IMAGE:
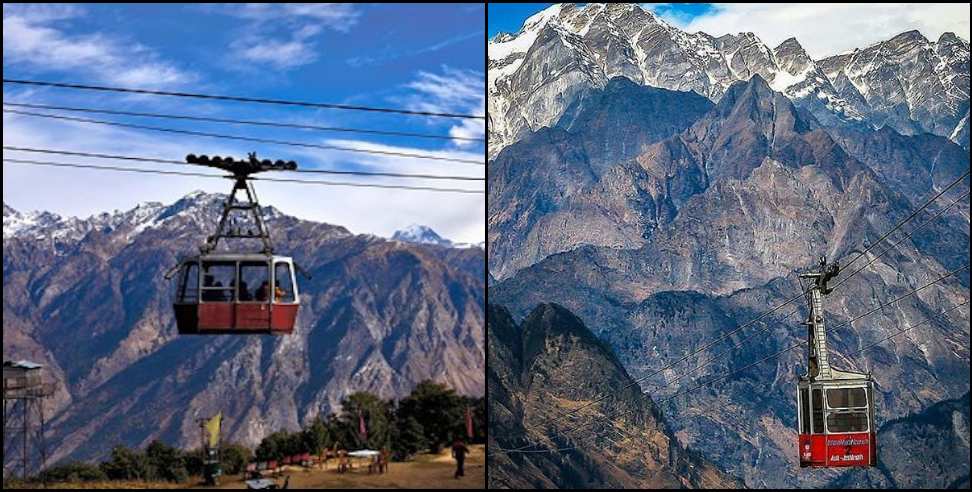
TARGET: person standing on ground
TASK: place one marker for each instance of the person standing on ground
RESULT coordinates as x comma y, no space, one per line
459,452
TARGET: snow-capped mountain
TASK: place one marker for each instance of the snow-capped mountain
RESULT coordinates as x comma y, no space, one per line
420,234
60,233
566,50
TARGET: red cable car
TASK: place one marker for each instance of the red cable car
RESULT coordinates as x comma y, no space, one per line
236,294
221,293
835,409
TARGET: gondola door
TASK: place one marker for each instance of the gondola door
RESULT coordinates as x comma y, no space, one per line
216,311
254,308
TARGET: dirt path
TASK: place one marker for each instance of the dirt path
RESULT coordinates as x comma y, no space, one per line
425,471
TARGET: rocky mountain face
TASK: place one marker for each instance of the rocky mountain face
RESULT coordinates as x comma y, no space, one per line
961,133
551,364
929,449
562,52
87,298
729,210
579,183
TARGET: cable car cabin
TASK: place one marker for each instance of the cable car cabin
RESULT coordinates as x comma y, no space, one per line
836,421
221,294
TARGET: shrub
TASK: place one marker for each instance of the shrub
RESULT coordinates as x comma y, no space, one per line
73,472
234,458
165,463
125,464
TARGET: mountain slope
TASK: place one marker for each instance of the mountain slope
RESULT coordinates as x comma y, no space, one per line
560,187
551,364
376,316
771,191
929,449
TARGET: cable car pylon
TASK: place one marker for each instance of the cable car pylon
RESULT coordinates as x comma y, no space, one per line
835,409
237,292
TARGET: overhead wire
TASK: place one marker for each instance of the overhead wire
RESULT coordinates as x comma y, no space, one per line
245,138
286,102
908,218
834,287
241,122
184,163
279,180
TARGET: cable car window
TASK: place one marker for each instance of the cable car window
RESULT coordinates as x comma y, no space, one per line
219,280
254,276
846,398
847,422
804,411
189,290
284,283
818,419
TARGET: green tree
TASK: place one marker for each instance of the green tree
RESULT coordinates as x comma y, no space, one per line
280,444
234,458
317,436
125,464
165,463
271,447
376,414
438,409
194,461
478,406
408,439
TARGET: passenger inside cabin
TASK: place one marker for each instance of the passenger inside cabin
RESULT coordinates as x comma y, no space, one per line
264,292
245,291
210,294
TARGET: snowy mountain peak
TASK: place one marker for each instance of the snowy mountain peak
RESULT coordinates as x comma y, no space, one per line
420,234
567,50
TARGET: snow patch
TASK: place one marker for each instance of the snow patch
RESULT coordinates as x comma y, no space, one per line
525,38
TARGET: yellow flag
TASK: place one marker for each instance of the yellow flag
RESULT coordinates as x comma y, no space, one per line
212,427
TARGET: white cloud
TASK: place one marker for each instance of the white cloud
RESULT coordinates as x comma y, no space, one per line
279,54
452,91
32,39
338,16
287,31
77,192
827,29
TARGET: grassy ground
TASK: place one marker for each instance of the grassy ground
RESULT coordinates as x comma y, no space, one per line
101,485
425,471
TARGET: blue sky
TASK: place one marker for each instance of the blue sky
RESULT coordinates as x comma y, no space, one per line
822,29
423,57
508,17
